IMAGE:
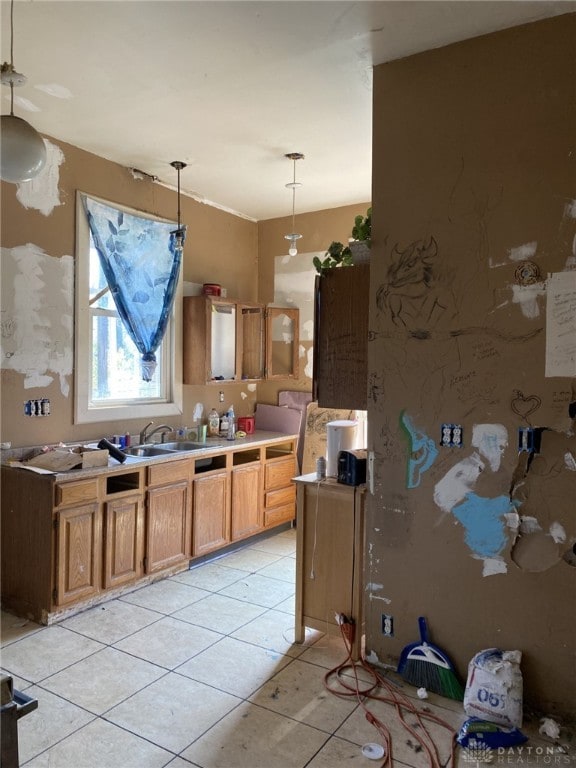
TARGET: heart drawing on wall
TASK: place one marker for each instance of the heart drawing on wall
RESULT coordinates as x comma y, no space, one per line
524,406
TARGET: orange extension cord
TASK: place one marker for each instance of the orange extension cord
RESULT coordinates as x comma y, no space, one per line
382,690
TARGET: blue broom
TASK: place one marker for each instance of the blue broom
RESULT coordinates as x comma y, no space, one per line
427,666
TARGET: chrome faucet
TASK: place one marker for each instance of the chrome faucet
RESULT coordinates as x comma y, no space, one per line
145,435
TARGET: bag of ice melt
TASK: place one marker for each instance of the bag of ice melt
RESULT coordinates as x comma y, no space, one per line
476,733
494,687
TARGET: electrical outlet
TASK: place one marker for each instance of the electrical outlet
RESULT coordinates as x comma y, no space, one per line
387,625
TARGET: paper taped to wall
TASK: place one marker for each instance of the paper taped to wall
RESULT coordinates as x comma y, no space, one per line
561,324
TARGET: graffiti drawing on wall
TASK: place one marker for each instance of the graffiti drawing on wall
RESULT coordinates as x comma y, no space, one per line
413,294
422,453
525,406
485,519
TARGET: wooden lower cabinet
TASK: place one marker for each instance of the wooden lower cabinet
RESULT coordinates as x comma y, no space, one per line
123,541
90,535
246,514
166,527
279,491
78,551
329,556
211,513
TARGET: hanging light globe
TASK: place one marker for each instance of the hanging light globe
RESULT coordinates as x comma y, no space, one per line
22,150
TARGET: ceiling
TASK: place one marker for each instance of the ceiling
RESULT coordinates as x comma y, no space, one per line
230,87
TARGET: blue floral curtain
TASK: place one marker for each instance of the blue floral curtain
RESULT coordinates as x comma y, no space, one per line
141,259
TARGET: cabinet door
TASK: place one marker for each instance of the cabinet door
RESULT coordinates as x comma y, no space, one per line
211,518
123,541
252,341
167,515
341,338
78,550
210,339
282,338
326,523
246,494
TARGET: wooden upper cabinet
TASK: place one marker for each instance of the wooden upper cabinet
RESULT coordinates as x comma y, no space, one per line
210,340
230,340
282,339
341,337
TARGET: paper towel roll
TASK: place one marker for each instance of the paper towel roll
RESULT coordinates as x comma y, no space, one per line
340,436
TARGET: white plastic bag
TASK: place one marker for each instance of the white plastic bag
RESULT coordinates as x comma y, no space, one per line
494,687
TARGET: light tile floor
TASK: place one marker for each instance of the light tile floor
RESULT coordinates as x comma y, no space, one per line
201,670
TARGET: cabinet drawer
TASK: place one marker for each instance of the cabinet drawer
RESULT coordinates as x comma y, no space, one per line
280,496
279,473
170,472
279,515
77,492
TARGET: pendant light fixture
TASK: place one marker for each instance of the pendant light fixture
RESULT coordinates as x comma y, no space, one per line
293,237
22,149
180,233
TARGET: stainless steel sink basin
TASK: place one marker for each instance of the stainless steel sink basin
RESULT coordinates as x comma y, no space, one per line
147,450
165,449
187,445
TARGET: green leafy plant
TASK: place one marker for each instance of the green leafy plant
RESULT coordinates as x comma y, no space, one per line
362,229
337,255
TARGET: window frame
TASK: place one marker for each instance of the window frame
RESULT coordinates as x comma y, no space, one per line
84,412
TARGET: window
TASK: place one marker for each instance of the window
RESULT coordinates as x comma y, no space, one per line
109,384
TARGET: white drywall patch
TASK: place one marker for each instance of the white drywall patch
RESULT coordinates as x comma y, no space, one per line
529,524
309,368
251,387
558,533
42,192
523,252
491,440
294,278
37,315
570,210
494,565
570,461
457,482
527,296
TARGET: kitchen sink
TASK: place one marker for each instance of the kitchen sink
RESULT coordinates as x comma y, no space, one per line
187,445
147,450
165,449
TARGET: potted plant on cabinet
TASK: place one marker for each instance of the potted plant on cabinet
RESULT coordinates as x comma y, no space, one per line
356,252
337,255
361,237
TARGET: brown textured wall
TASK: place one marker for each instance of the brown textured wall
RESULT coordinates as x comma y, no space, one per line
219,248
474,158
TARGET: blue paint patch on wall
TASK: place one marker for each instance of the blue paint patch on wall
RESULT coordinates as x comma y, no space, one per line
423,451
484,522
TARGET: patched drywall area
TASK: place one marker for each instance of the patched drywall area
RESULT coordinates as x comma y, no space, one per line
472,354
37,316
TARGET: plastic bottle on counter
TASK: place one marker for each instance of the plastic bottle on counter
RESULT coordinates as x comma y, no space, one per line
213,423
231,433
224,425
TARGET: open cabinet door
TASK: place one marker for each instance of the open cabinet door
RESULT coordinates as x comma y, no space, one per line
282,341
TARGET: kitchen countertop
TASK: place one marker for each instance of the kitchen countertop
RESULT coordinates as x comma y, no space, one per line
213,446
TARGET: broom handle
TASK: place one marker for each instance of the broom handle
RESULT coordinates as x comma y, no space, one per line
423,629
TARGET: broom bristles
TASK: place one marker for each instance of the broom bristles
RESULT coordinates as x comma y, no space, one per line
425,674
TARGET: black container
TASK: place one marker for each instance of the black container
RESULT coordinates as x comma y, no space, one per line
352,467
